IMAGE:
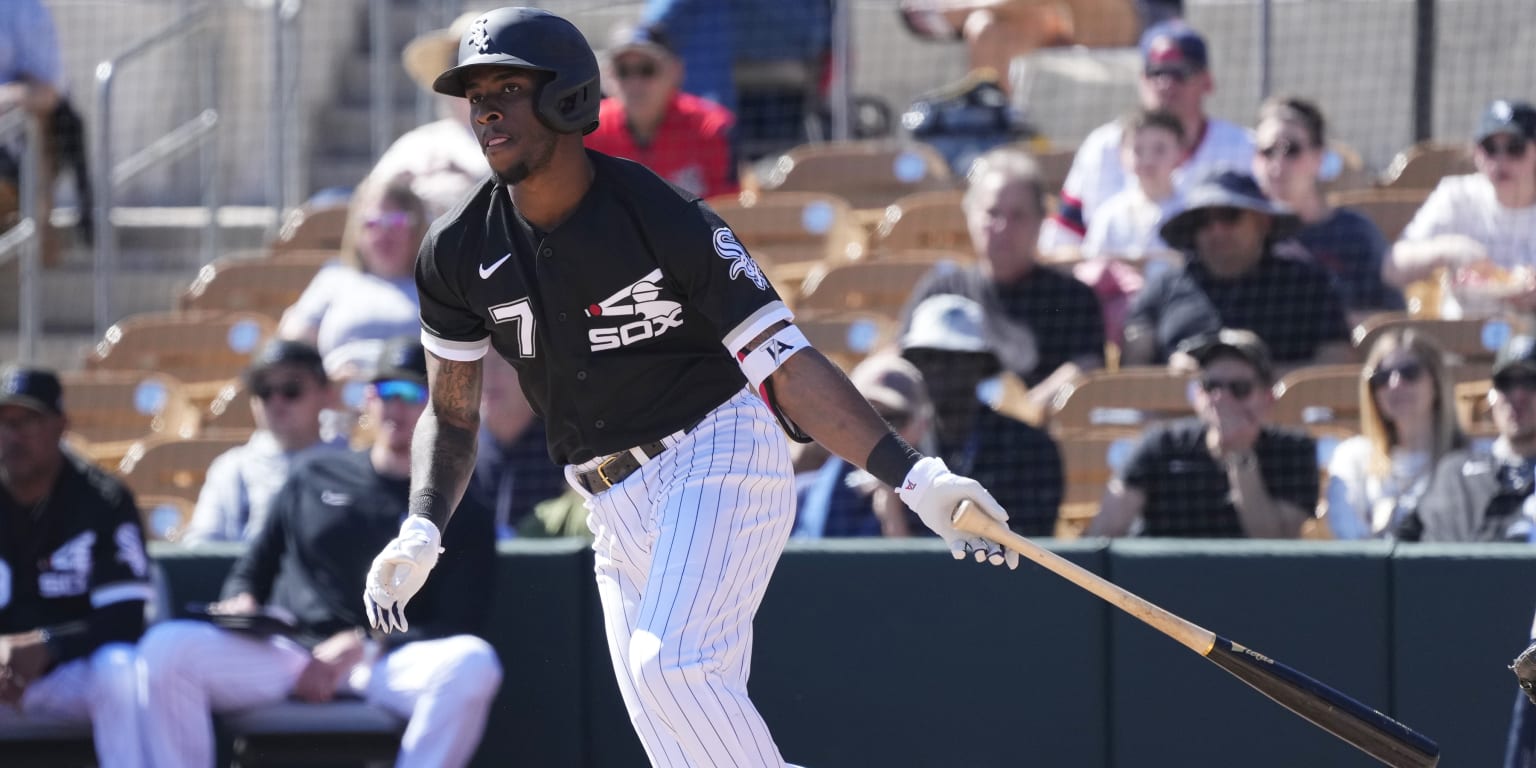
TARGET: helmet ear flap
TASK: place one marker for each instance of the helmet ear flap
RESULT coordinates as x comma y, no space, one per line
569,108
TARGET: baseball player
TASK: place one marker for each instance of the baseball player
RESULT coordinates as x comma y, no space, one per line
74,577
664,365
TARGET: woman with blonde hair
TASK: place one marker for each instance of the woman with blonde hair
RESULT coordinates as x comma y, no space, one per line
1408,421
352,307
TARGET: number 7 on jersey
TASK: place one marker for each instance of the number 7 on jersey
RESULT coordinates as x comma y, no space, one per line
521,313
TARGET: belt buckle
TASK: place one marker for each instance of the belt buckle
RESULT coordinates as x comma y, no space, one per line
603,475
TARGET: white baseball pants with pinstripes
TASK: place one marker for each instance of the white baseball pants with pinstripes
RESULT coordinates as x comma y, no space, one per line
684,550
101,689
442,687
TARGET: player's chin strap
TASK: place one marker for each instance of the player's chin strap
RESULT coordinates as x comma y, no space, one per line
759,364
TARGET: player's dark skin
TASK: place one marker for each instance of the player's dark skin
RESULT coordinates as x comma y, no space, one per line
549,173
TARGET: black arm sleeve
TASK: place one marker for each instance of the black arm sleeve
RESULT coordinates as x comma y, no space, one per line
256,569
457,599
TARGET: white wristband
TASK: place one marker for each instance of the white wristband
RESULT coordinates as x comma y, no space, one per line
761,362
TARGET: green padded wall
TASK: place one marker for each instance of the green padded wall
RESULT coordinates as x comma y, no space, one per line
1319,607
1461,613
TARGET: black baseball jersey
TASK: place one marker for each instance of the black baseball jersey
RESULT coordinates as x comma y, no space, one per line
331,517
622,323
74,563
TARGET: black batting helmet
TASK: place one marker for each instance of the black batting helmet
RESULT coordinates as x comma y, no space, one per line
537,40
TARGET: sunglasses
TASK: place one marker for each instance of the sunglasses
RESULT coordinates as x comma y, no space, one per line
1407,373
644,71
1289,150
288,390
1220,215
1238,388
1512,380
389,220
1178,75
393,390
1514,148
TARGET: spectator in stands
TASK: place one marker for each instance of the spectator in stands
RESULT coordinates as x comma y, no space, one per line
1127,225
1224,473
513,471
351,308
683,138
1234,279
288,389
1481,225
1477,495
998,31
1043,325
31,79
1175,78
442,159
306,567
1408,422
74,577
843,500
1288,164
948,343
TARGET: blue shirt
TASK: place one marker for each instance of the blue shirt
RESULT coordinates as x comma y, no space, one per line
511,479
830,507
28,48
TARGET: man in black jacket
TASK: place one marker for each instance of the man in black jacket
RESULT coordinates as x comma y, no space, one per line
74,577
306,567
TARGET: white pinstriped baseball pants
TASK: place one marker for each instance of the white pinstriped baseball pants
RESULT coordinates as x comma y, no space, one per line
101,689
684,550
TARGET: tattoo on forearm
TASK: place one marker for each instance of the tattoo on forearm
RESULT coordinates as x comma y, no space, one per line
443,449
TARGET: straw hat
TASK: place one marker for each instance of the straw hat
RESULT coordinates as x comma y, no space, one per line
432,53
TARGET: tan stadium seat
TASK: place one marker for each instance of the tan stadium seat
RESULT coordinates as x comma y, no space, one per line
1423,165
1055,163
313,228
1352,172
1473,409
868,174
1088,463
1389,209
1124,401
111,410
261,286
880,287
1466,341
230,411
1320,399
203,349
174,468
924,221
847,338
788,233
165,518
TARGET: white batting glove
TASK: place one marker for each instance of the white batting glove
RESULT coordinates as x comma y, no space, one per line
399,571
933,492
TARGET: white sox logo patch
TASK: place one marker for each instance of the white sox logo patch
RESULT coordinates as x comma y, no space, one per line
731,250
641,298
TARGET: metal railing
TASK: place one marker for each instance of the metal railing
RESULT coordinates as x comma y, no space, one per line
200,132
284,144
24,239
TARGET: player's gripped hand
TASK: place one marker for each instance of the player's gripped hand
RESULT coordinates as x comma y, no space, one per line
399,571
933,492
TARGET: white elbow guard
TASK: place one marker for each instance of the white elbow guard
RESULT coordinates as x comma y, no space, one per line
760,363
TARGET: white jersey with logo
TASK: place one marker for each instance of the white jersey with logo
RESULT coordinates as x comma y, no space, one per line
1467,205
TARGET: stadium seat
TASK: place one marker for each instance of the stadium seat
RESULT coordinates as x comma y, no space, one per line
229,412
313,228
345,731
925,220
790,232
868,174
173,468
1473,409
111,410
1089,461
1120,402
1422,165
1389,209
164,518
1465,341
1319,398
880,287
263,286
1054,162
845,338
1352,172
203,349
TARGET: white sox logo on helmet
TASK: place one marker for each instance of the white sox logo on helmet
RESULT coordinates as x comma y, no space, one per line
479,37
639,298
732,250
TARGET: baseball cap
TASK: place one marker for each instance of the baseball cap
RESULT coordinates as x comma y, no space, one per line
650,39
947,322
890,381
37,389
402,359
1173,44
298,354
1504,116
1232,342
1517,352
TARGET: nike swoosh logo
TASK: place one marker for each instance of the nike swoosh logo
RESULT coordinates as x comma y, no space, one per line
486,272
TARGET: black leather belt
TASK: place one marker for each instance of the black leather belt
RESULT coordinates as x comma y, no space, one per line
614,469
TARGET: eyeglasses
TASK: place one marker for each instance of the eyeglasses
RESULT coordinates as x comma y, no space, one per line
1178,75
1407,373
1220,215
1514,148
644,71
408,392
288,390
1238,388
1512,380
389,220
1289,150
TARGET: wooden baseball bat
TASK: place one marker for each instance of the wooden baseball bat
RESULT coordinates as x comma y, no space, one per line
1370,731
